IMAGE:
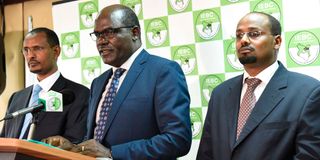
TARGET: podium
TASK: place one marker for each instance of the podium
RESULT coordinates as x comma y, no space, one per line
15,149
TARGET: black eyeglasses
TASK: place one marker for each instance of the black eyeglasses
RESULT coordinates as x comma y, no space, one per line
107,33
253,35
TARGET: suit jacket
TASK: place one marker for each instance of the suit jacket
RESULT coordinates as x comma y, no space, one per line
71,123
149,117
283,125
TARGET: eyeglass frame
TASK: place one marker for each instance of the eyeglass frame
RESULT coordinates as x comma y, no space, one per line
251,35
107,33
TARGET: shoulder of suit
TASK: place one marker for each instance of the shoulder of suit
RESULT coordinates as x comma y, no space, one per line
24,91
302,78
75,85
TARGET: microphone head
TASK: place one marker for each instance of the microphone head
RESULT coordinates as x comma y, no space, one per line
52,101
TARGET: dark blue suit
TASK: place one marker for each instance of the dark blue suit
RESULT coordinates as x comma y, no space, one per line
284,124
149,118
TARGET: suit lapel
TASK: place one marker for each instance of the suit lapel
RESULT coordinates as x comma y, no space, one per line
126,86
271,96
18,121
232,108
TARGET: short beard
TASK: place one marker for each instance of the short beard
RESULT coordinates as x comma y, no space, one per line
248,59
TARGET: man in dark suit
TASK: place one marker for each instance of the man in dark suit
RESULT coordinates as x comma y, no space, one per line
149,116
41,50
283,123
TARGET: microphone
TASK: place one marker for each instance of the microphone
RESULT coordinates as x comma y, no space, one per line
50,101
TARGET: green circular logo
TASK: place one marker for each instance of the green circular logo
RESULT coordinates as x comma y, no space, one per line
135,5
185,56
269,6
207,24
70,45
179,5
209,83
91,69
304,47
54,104
157,32
196,122
88,14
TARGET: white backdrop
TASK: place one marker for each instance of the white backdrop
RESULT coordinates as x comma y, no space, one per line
198,34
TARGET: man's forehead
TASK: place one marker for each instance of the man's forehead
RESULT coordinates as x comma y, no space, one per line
253,21
35,39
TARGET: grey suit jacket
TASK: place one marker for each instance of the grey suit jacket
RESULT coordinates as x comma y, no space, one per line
284,124
71,123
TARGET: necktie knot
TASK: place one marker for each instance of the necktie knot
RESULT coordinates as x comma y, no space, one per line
252,82
35,94
119,72
36,89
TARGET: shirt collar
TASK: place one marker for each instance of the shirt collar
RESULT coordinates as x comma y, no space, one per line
264,75
48,82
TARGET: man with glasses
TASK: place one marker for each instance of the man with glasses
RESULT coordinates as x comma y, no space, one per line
41,50
138,109
266,113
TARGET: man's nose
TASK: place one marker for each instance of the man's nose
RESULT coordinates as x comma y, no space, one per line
29,53
245,40
102,40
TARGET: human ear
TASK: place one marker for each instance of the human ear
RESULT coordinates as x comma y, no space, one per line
277,41
135,33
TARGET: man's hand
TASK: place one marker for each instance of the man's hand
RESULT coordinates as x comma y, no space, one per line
93,148
60,142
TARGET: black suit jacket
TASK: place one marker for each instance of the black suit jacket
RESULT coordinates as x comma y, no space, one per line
71,123
283,125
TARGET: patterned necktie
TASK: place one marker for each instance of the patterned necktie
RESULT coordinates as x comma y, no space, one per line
247,104
107,103
33,101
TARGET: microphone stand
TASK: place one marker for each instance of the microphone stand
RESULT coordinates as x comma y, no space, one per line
33,124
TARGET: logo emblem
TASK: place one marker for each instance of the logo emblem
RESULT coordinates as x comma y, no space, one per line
90,69
231,55
207,24
135,5
52,100
70,45
196,122
88,13
268,6
186,58
157,32
304,47
208,83
179,5
54,104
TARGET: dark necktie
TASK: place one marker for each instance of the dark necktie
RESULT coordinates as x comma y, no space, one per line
247,104
107,103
